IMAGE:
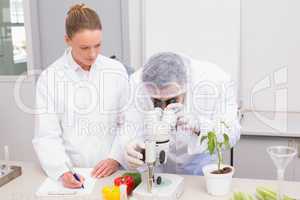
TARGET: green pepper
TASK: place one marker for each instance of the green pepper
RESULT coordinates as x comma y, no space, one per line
136,176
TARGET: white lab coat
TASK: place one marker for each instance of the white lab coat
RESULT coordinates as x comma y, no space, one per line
210,96
78,113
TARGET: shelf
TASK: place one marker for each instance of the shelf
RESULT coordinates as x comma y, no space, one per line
268,123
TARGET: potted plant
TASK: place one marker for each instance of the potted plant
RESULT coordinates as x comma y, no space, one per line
218,176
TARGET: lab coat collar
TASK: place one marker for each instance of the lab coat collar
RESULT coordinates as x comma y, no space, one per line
70,60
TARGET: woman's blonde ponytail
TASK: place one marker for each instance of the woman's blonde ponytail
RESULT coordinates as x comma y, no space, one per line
80,17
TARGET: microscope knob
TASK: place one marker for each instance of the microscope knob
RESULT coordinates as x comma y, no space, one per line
162,157
158,180
143,152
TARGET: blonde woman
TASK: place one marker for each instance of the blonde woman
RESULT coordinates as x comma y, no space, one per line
78,99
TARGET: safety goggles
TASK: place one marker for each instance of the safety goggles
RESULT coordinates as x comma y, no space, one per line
164,103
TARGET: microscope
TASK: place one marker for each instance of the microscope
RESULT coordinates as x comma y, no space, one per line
158,127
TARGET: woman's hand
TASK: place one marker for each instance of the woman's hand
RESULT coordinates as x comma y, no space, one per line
69,181
105,168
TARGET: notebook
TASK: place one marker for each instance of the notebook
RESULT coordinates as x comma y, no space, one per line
55,188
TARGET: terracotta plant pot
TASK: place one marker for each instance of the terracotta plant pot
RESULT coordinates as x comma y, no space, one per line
217,184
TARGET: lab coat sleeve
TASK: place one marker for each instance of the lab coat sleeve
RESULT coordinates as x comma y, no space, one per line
127,132
116,152
132,126
225,110
47,141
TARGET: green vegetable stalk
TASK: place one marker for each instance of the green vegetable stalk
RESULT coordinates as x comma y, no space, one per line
241,196
263,193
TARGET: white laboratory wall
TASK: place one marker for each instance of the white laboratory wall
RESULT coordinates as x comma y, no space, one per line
203,29
135,20
252,40
270,41
16,127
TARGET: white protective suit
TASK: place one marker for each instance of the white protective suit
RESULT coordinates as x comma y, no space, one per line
210,97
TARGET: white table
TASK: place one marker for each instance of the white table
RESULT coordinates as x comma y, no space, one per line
25,186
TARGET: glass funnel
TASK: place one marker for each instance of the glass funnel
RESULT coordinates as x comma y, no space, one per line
281,157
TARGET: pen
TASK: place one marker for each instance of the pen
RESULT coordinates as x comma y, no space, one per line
74,174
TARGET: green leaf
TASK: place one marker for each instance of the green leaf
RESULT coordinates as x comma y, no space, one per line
211,146
203,138
211,142
222,122
211,135
226,140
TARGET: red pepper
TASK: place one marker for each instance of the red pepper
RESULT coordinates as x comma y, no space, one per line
127,180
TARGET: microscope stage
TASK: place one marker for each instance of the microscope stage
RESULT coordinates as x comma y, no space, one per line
171,188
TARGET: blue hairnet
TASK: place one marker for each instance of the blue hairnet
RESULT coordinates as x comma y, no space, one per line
164,68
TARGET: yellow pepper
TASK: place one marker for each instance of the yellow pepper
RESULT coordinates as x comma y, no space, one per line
111,193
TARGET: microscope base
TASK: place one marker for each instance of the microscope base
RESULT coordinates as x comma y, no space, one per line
171,188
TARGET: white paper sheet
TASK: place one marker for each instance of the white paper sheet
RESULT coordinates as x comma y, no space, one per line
55,188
